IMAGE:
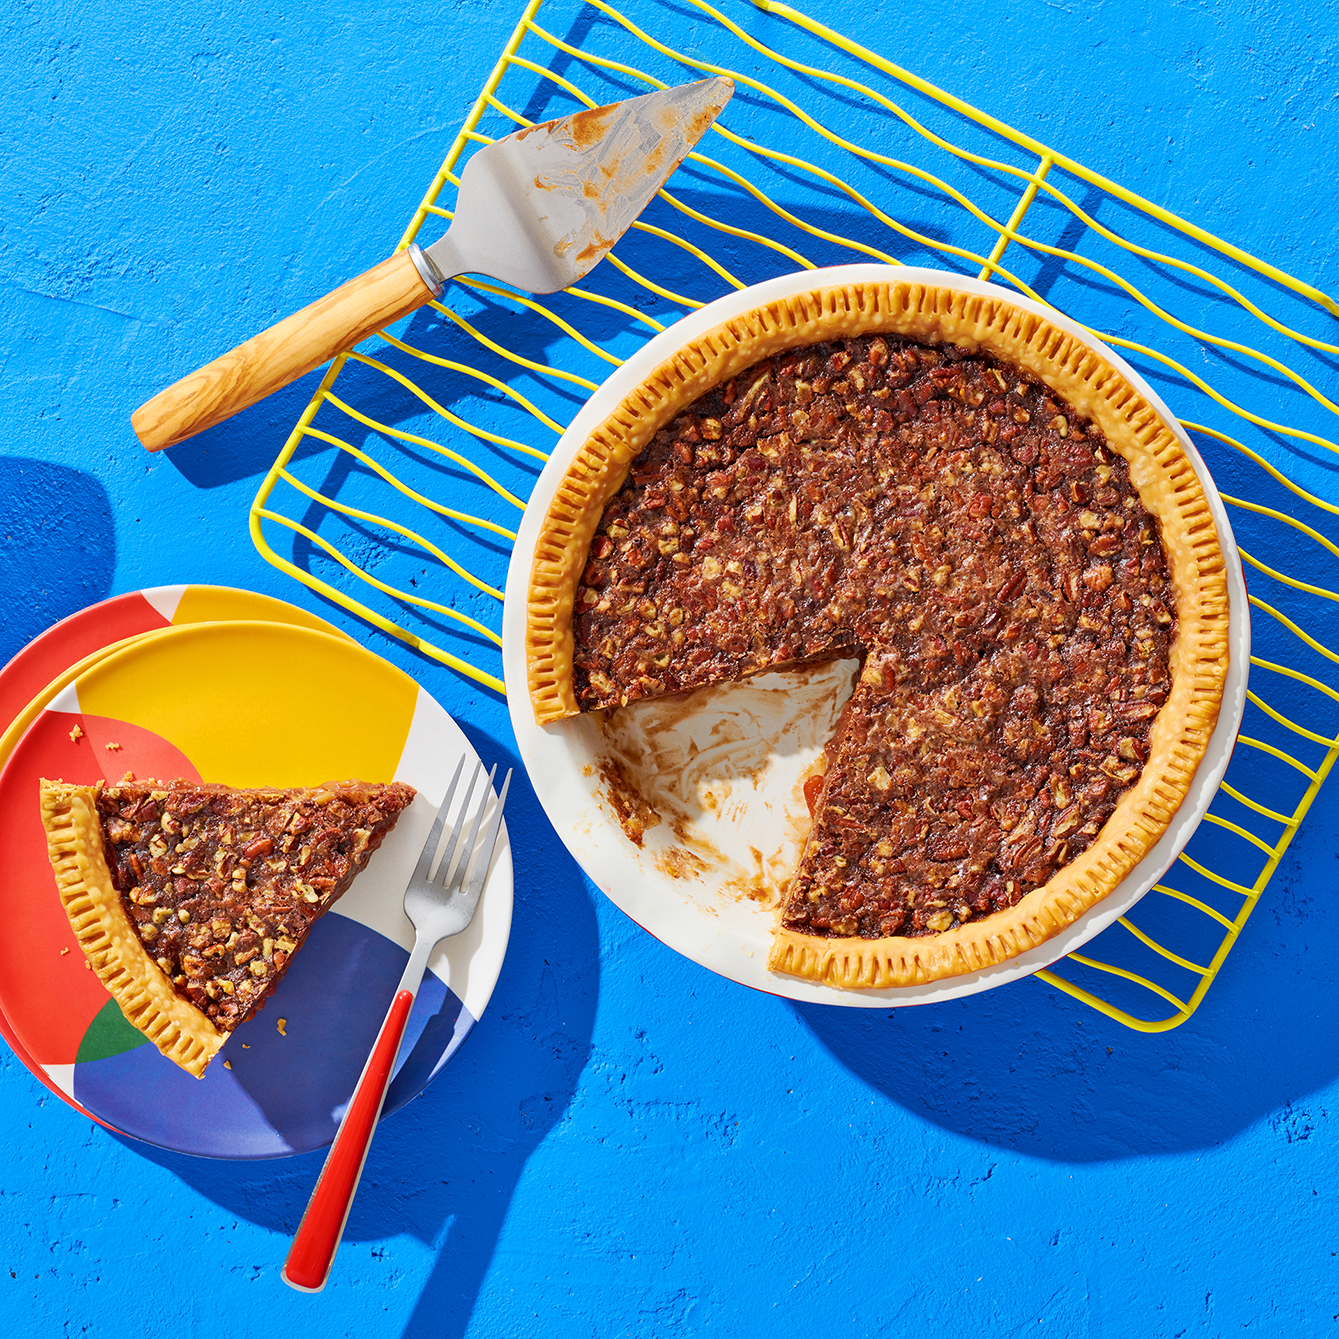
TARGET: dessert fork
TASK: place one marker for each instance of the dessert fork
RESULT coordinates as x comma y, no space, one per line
438,908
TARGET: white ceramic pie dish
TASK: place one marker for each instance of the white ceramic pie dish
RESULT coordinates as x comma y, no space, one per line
739,751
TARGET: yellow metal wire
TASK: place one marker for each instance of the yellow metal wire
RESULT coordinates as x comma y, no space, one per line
1251,826
1105,184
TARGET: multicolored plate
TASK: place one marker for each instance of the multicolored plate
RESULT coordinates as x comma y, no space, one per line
67,648
100,625
248,703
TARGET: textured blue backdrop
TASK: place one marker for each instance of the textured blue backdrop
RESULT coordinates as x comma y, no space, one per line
627,1144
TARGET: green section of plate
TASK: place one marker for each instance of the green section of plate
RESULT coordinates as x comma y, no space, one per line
108,1034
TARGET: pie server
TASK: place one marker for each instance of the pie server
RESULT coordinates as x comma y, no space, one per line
537,210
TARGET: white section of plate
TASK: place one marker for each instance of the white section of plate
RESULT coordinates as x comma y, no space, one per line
67,700
708,919
63,1077
164,599
468,963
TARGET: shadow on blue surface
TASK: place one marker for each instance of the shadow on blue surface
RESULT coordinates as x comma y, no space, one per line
443,1170
247,444
1027,1068
57,546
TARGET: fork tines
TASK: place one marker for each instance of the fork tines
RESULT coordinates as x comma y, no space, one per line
444,867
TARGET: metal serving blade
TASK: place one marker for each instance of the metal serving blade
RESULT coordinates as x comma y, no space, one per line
537,210
540,208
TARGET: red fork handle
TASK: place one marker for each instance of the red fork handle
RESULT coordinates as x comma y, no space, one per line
318,1235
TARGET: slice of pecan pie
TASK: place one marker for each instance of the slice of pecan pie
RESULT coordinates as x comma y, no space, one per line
190,899
993,519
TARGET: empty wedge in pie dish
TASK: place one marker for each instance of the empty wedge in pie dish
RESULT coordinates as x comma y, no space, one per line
988,511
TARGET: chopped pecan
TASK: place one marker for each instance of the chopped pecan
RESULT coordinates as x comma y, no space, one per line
965,531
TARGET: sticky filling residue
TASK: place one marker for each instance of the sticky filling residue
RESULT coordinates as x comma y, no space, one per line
710,785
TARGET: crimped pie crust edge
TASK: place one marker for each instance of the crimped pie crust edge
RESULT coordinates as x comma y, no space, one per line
1159,469
104,932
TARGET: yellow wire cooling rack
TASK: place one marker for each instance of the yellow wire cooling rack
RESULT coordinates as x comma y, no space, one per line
397,491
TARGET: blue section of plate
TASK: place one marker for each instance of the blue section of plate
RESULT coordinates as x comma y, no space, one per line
284,1092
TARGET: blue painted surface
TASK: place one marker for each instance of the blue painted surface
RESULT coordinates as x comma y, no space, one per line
627,1144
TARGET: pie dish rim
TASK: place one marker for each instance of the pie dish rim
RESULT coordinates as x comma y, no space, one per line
1101,911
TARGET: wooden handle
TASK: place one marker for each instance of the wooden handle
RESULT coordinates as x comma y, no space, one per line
281,354
322,1226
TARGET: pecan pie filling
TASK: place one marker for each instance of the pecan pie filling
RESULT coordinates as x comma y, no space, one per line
222,885
953,522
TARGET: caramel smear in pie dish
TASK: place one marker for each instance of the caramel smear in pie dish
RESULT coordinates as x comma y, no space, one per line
190,899
710,783
983,512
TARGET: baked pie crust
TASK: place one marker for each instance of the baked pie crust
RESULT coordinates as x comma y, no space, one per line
1159,470
79,844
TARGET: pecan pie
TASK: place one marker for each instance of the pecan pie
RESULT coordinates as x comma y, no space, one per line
189,900
993,519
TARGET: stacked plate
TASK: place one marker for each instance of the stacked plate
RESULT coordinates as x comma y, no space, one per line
213,684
